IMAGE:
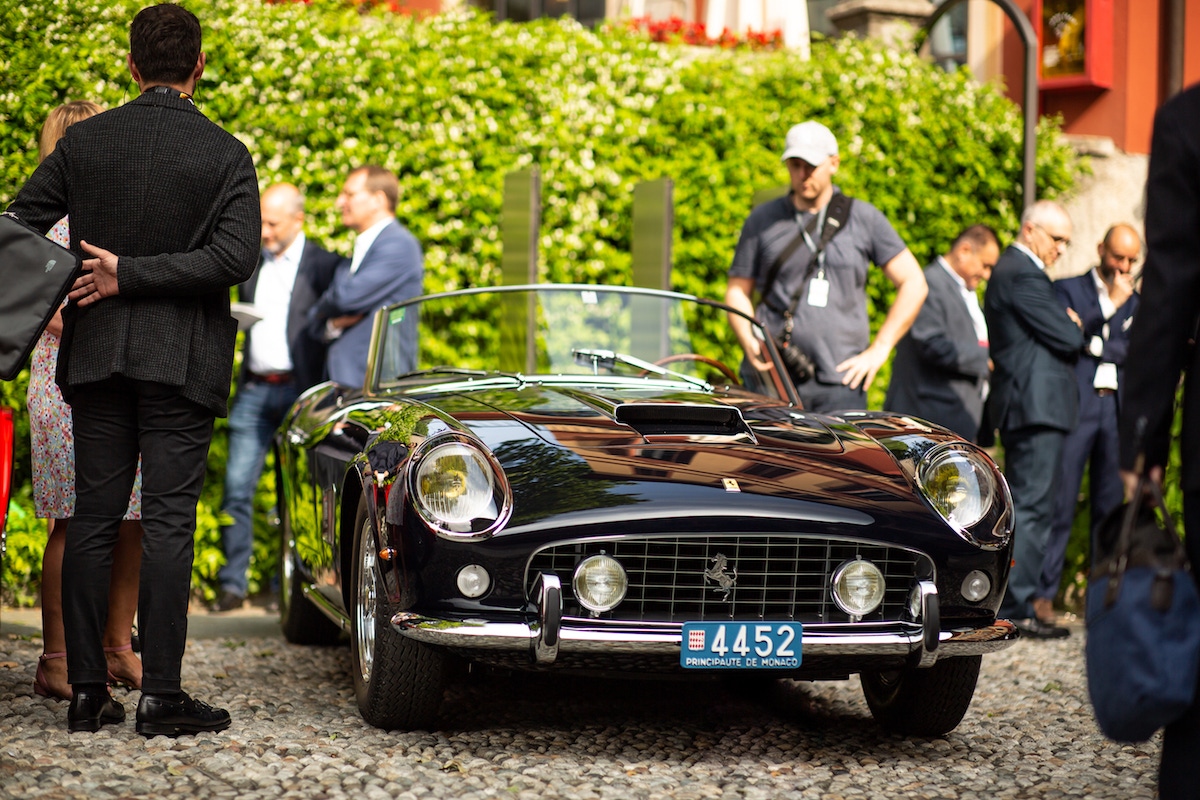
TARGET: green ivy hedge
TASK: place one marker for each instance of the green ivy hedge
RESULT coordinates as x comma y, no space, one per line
453,103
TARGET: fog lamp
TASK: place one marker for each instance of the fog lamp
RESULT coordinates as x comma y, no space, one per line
976,586
474,581
599,583
914,603
858,587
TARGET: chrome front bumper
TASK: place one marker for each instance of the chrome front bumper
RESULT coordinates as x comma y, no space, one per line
550,634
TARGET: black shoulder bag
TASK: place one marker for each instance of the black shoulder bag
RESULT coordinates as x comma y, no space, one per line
37,275
800,365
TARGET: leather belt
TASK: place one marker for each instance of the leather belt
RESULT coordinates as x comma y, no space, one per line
274,378
1105,392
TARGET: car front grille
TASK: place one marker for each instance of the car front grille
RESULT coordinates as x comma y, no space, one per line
679,579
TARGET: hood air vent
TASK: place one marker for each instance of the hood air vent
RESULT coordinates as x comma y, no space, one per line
658,421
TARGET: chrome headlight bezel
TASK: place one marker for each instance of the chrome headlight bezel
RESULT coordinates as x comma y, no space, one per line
453,462
967,490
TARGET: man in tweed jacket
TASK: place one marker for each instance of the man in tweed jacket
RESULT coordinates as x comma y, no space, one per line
163,205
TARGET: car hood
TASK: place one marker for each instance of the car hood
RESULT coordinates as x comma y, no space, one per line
704,453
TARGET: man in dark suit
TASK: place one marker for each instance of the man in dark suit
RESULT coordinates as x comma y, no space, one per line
164,205
387,267
1161,347
1105,301
280,359
1033,400
941,368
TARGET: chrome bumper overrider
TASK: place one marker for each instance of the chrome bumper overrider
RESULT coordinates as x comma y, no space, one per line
550,635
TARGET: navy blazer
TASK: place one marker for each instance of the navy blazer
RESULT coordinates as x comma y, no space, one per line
940,364
313,276
176,198
1033,345
1080,293
392,270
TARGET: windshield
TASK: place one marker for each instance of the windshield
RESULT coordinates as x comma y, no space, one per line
601,334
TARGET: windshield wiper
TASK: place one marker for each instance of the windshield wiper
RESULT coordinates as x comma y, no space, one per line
608,359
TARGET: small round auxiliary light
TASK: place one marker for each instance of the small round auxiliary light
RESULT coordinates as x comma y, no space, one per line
858,587
474,581
914,603
599,583
976,586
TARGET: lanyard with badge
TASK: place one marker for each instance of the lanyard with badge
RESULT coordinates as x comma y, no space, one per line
818,285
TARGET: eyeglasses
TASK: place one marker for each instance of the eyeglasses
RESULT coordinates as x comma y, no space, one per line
1065,241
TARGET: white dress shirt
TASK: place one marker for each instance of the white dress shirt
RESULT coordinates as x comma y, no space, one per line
971,301
1106,373
269,352
363,242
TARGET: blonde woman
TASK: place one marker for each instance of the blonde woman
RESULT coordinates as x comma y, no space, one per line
53,462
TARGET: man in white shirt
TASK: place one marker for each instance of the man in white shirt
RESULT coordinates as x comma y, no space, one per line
387,267
280,359
941,368
1105,301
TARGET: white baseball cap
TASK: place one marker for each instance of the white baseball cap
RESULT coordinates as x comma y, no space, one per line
810,141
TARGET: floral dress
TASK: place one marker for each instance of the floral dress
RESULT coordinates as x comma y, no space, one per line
52,443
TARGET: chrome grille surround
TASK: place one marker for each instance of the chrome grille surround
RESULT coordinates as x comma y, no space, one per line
775,577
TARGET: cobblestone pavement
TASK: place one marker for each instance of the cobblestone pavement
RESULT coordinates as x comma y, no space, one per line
297,733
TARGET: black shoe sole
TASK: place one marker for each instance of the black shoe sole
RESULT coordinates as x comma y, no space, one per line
90,725
165,729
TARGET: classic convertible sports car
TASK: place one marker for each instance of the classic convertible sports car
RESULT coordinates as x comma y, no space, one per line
596,488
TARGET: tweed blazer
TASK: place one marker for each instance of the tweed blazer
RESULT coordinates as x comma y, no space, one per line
940,364
176,198
313,276
1033,344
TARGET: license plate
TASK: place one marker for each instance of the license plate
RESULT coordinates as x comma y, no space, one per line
740,645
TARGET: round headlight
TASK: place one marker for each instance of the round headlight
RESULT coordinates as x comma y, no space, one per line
858,587
473,581
599,583
976,586
959,484
454,484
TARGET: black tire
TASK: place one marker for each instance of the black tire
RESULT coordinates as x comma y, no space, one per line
301,621
398,683
923,702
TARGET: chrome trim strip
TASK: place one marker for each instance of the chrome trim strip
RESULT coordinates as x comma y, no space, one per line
326,607
582,638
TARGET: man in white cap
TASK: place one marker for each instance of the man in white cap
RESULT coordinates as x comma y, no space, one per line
806,254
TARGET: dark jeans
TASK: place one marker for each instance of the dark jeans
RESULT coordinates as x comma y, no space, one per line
258,410
1094,446
114,420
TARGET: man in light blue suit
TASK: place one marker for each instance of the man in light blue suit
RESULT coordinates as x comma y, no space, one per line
387,267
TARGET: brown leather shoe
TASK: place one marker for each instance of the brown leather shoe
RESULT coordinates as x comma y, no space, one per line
1043,609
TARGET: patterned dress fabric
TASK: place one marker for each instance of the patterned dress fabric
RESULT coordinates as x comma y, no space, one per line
52,444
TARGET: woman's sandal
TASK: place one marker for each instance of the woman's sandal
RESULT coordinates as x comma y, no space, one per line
41,687
122,680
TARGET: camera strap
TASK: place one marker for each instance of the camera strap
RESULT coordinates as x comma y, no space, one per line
836,213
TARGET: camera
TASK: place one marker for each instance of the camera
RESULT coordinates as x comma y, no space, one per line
800,366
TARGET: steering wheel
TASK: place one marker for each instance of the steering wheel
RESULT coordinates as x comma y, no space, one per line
712,362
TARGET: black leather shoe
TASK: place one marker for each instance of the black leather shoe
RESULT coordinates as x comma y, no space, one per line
228,601
91,709
159,715
1034,628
